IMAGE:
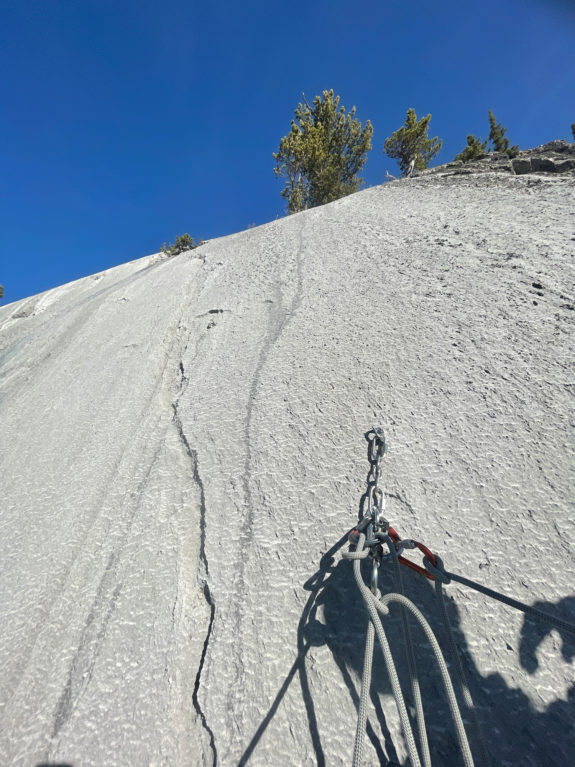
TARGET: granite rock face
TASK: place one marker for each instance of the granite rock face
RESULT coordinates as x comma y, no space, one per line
182,452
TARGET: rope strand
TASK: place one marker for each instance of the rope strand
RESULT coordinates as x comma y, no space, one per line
377,606
485,760
411,664
439,573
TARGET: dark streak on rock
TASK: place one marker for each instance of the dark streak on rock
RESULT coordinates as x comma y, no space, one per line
195,697
193,455
279,317
214,311
403,501
84,660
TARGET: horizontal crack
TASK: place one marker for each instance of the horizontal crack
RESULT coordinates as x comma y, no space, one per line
214,311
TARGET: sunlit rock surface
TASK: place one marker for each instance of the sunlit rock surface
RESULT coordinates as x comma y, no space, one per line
183,452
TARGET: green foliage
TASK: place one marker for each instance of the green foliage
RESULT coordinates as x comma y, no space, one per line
183,242
475,148
322,154
573,130
497,137
1,292
410,144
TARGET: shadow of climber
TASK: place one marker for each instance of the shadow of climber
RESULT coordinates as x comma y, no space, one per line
515,732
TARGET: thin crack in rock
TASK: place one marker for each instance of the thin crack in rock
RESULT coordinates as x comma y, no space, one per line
193,455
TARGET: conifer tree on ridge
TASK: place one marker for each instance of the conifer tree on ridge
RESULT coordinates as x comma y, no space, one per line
410,146
322,154
475,148
498,139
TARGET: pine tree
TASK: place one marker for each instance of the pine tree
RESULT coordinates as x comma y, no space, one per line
1,292
475,148
410,145
497,137
322,154
573,130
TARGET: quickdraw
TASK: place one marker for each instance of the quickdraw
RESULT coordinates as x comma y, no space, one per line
401,544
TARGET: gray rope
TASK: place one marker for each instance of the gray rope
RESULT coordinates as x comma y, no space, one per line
374,606
452,700
461,677
364,697
411,664
377,605
443,576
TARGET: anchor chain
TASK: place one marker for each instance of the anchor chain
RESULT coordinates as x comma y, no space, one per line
374,522
375,494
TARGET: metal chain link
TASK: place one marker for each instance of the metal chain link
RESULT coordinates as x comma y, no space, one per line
375,519
375,494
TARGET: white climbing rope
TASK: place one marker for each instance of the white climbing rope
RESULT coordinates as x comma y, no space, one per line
377,605
374,606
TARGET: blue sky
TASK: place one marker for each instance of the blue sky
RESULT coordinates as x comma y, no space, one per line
127,122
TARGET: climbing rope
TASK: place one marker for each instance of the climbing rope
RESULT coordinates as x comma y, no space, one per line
378,604
434,567
411,663
368,539
484,758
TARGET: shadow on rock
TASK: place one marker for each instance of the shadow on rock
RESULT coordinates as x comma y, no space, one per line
533,633
514,731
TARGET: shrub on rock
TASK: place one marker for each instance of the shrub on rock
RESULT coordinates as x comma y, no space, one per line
183,242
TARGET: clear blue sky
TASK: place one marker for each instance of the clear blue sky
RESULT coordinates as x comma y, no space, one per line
127,122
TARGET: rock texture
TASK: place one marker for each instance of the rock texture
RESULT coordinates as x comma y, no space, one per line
554,157
183,453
